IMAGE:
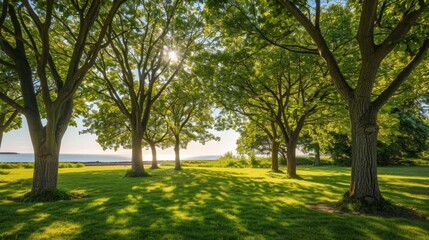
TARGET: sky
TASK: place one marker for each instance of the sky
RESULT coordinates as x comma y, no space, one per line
73,142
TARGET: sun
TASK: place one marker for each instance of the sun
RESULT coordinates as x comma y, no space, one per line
172,56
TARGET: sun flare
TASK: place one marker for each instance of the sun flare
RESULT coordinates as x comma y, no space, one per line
172,55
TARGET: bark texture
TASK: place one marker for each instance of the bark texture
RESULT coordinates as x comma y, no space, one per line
291,158
177,165
154,157
275,156
137,166
45,175
317,155
364,180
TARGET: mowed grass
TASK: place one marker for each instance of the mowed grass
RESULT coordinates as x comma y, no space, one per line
208,203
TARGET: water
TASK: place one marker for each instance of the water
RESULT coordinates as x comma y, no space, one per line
29,157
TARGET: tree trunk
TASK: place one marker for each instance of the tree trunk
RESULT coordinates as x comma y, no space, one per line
317,155
291,158
364,182
154,159
1,138
177,153
46,142
275,155
2,127
45,176
137,166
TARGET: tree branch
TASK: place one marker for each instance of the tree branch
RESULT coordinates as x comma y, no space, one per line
365,34
11,102
400,31
338,78
401,77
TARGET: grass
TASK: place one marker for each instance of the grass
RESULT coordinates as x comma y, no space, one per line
208,203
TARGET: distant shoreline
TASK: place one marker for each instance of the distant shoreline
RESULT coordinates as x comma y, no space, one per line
9,153
97,159
98,163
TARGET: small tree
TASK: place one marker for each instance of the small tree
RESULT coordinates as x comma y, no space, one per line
188,114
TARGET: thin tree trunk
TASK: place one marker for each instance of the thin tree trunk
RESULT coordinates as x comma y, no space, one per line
291,158
2,127
177,153
275,155
1,138
137,166
364,182
317,155
154,158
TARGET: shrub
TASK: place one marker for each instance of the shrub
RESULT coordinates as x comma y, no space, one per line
16,165
28,165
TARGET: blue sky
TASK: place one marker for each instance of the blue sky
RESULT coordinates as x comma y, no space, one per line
73,142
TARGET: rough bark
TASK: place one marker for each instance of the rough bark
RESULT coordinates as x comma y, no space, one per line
46,145
177,153
364,181
291,158
275,156
317,155
137,166
45,175
154,158
2,128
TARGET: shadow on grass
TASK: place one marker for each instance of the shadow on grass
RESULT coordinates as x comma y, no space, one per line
194,204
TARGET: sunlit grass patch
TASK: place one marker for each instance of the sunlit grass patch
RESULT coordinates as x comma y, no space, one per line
208,203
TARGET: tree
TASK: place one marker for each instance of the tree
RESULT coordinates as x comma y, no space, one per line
188,114
278,90
378,29
50,46
262,139
283,83
157,133
149,43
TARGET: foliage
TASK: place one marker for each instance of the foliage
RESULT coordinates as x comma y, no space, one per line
340,149
16,165
229,160
150,43
31,165
410,141
71,165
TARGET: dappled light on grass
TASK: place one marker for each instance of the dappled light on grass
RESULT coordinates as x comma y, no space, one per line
201,203
57,230
38,217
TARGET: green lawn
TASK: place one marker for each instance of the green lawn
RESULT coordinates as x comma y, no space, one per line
208,203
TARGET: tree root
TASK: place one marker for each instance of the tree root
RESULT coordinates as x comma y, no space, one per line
133,174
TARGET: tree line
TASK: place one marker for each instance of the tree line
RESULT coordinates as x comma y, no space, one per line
152,72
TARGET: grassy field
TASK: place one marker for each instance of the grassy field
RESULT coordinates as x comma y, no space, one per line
208,203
